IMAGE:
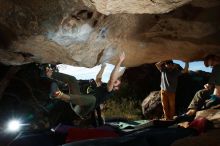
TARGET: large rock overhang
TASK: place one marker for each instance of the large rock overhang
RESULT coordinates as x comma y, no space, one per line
88,33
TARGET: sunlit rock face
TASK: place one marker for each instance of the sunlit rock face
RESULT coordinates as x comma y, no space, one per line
87,33
137,7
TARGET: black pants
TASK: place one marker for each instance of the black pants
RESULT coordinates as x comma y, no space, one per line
204,99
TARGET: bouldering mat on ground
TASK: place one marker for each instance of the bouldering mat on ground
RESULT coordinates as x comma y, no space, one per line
146,137
135,125
76,134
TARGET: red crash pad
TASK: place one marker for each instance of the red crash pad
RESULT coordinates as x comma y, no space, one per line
76,134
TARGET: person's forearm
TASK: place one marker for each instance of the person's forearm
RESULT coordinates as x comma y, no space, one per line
99,75
98,79
114,76
115,72
186,68
159,64
121,72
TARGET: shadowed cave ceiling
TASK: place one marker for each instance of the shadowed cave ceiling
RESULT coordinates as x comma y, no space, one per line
90,32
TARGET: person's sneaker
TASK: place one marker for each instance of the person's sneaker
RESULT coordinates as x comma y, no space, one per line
184,118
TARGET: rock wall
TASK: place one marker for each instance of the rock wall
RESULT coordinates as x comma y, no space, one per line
133,6
78,32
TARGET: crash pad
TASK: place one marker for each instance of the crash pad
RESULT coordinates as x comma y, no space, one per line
77,134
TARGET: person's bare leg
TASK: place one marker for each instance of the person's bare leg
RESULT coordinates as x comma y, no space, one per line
172,105
165,104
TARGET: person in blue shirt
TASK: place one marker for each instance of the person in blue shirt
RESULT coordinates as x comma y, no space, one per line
169,79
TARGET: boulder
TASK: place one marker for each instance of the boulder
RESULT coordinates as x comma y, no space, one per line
212,115
151,106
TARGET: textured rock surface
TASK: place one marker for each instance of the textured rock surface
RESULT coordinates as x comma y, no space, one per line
133,6
212,115
74,32
151,106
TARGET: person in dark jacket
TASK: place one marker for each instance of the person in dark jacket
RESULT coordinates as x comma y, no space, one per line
85,103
